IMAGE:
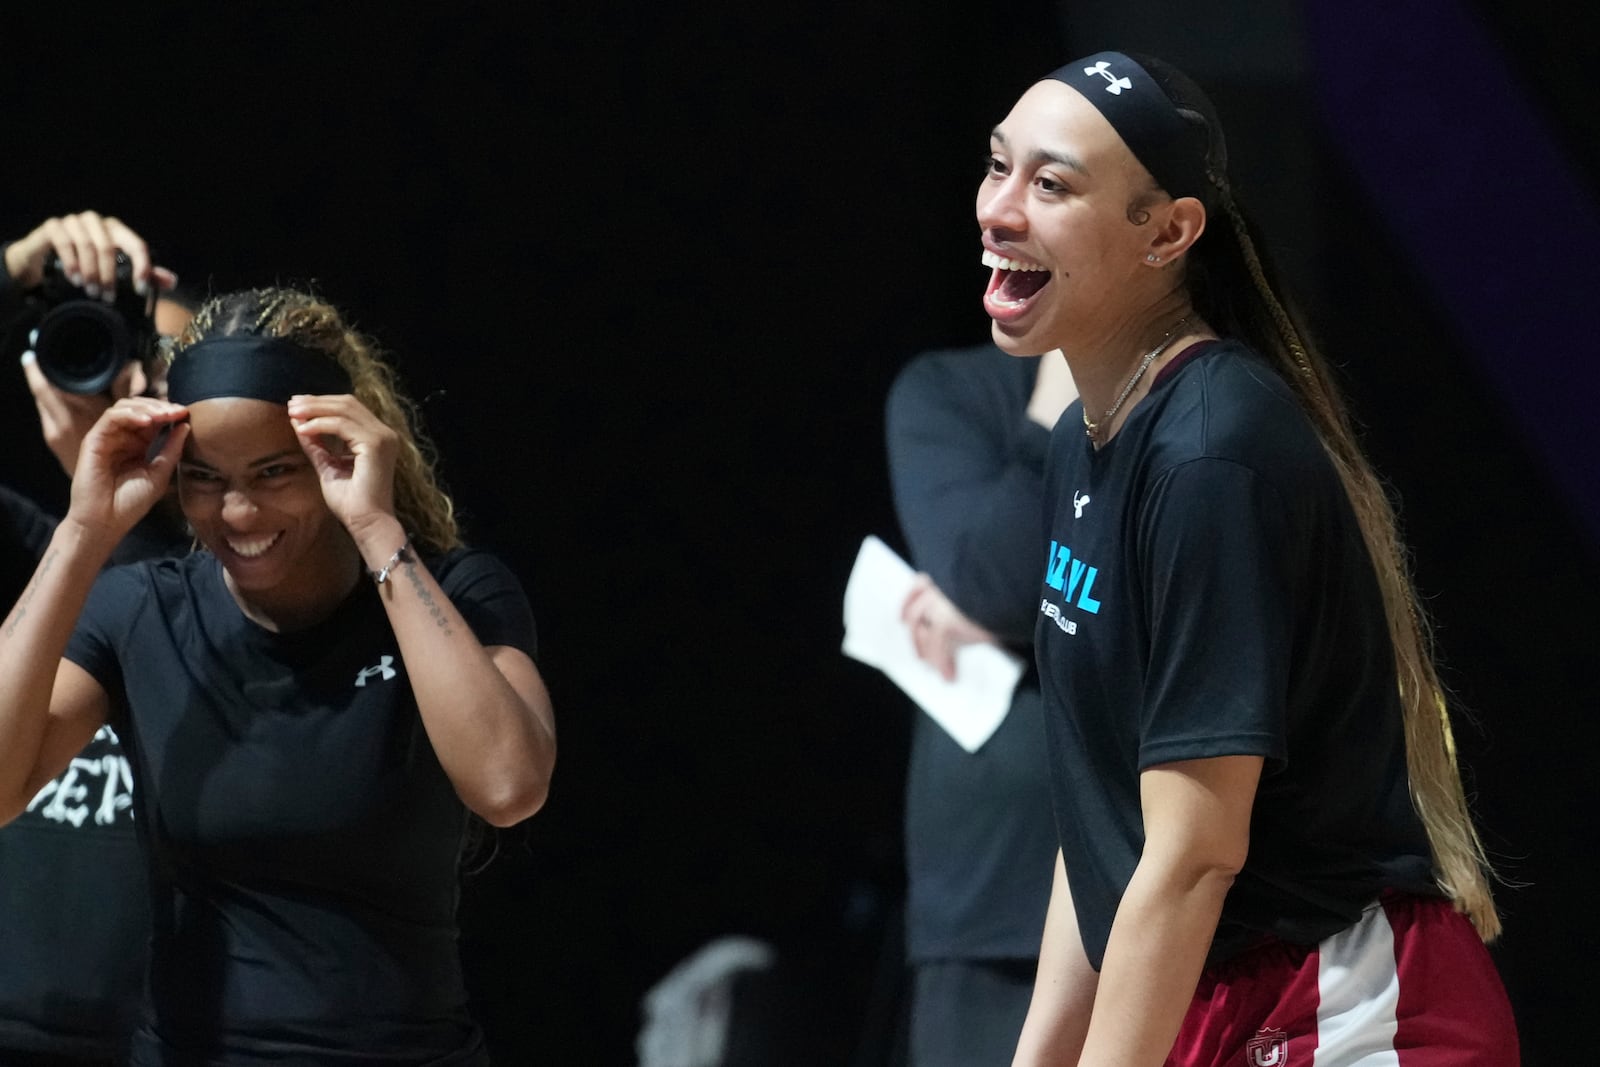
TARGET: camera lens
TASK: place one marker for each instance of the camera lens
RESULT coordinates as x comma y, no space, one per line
82,345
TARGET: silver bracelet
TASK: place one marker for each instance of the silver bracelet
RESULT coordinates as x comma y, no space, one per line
401,555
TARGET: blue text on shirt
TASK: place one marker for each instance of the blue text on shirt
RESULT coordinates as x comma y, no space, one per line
1071,576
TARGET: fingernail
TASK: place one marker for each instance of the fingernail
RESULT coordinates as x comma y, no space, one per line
28,356
141,286
75,278
92,289
109,295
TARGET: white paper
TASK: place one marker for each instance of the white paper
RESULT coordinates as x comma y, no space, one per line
970,708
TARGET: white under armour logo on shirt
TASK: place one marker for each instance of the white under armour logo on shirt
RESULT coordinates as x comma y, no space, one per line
384,669
1079,502
1114,86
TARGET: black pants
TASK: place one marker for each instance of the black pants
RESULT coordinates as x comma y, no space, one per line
968,1013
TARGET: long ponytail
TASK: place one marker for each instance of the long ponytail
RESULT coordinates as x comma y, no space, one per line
1236,292
1463,869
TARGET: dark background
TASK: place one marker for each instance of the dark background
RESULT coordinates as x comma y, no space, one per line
654,266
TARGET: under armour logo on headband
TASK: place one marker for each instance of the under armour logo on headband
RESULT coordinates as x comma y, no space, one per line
1114,86
1175,150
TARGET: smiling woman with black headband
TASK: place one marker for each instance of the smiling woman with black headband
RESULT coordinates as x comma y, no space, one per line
312,705
1265,850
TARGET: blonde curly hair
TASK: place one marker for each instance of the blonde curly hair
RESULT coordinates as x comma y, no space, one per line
421,504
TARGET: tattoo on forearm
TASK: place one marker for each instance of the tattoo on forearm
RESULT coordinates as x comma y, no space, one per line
427,599
28,594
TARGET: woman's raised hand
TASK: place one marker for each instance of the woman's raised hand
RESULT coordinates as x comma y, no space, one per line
354,454
125,464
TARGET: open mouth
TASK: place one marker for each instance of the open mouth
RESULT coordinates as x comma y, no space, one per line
1013,286
252,547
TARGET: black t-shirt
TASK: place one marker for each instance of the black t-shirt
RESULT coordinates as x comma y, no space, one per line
74,914
74,917
1207,592
303,839
967,467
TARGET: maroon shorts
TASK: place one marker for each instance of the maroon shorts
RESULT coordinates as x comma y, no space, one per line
1410,985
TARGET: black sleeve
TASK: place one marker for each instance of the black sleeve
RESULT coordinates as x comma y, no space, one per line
113,599
966,465
490,598
30,524
1215,556
25,530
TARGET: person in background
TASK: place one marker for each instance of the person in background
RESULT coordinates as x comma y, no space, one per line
967,434
74,914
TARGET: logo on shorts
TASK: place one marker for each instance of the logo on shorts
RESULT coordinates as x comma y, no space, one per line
1269,1048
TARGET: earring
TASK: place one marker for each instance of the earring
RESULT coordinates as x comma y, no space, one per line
1152,258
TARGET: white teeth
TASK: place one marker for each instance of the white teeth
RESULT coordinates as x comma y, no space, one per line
991,259
253,548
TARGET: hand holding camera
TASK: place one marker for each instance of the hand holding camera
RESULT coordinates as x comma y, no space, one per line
87,245
87,322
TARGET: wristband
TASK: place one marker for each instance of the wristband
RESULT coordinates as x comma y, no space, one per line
401,555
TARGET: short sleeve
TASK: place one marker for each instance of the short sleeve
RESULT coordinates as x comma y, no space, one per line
1215,551
98,634
491,599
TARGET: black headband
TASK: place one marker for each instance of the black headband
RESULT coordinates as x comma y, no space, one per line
1172,149
260,368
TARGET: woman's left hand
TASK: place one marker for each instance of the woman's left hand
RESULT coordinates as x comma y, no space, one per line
353,452
938,628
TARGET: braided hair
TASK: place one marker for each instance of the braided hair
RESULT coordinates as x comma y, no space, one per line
421,505
1234,286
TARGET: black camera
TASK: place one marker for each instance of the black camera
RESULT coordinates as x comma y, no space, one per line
82,343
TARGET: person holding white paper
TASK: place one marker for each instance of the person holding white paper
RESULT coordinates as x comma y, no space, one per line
967,434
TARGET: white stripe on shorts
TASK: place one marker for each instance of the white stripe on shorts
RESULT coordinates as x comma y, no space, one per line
1359,989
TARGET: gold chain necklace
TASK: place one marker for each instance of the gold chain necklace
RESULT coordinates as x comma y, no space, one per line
1092,429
